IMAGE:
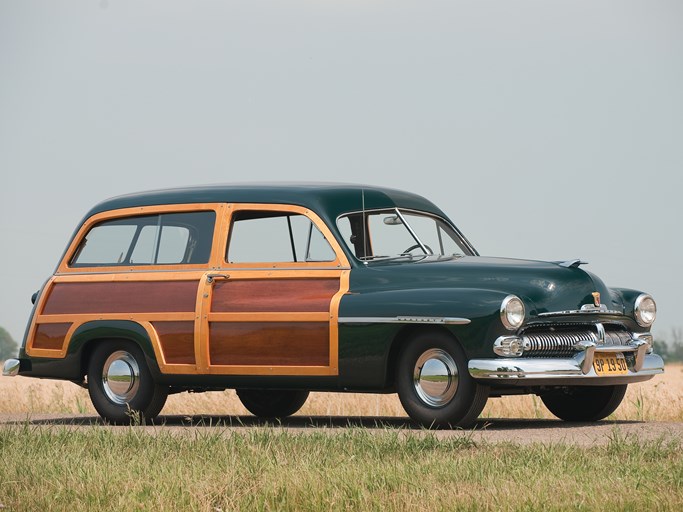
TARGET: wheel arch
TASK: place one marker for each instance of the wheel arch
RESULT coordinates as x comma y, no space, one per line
89,335
402,338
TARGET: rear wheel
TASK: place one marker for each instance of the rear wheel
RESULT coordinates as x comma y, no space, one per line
272,403
434,385
121,385
584,403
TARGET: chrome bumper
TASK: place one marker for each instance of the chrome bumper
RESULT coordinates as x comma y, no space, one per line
11,368
579,367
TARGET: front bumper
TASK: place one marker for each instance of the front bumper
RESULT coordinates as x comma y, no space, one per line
576,370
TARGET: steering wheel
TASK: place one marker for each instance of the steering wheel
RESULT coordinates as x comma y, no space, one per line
417,246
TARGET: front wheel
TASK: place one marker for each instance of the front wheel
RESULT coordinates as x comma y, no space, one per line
434,385
584,403
121,385
272,403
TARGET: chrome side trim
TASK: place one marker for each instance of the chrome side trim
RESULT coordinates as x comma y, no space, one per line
124,270
438,320
11,368
530,370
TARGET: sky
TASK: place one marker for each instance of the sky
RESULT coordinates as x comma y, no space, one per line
546,130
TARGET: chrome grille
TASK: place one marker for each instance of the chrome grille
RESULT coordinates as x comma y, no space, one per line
562,342
617,337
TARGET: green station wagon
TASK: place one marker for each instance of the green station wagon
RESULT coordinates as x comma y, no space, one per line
278,290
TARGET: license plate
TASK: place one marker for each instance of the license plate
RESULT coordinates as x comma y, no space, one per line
608,363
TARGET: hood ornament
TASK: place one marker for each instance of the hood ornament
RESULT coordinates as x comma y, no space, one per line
596,299
571,263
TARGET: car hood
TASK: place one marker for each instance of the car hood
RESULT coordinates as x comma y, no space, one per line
544,286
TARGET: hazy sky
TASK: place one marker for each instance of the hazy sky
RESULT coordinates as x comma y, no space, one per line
545,129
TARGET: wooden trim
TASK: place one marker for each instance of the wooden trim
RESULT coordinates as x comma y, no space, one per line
174,369
176,340
51,336
340,261
123,297
274,295
137,276
331,316
315,316
259,344
201,324
218,208
135,317
334,317
34,322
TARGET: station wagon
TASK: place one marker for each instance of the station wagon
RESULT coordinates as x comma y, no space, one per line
279,290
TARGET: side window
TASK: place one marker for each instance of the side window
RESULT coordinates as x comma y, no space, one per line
276,237
166,239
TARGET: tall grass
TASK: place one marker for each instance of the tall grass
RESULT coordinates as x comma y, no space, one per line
54,468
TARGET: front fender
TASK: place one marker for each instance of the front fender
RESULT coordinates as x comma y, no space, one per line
374,326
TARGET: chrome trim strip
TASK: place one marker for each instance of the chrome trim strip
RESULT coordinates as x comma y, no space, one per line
11,368
555,368
205,269
437,320
591,311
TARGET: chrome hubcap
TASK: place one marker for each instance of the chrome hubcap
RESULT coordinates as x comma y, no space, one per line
120,377
435,377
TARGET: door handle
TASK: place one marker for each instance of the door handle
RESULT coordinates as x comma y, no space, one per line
212,277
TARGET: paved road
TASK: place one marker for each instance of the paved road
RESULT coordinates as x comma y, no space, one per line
486,431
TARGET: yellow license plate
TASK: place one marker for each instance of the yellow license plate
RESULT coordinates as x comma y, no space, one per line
608,363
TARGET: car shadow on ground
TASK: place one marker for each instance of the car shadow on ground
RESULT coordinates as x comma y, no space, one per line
312,422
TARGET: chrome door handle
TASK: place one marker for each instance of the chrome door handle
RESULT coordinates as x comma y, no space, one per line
212,277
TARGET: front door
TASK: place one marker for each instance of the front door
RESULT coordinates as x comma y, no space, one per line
272,307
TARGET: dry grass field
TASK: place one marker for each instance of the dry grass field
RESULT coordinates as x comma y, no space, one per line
660,399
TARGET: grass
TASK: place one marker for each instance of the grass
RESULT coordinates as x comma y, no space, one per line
218,469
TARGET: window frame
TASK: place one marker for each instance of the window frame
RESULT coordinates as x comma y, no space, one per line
216,245
340,260
471,251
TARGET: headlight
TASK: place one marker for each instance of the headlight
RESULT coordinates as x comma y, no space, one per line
645,310
512,312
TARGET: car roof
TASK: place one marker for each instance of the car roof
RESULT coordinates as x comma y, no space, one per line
328,200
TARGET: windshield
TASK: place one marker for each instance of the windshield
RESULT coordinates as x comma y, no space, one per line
400,234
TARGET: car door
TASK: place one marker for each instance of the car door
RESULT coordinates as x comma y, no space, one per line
272,307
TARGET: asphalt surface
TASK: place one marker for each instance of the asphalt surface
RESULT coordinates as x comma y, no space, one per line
486,431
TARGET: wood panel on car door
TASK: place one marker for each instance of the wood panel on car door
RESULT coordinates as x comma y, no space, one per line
274,322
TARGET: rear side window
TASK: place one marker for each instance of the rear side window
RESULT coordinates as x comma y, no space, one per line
165,239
